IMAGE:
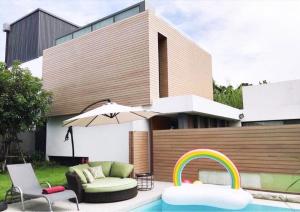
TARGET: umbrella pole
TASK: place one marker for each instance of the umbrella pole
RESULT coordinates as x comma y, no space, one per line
70,131
72,142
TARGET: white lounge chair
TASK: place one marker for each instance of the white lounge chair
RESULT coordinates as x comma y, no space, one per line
26,184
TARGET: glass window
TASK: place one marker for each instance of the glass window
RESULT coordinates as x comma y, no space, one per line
127,13
63,39
103,23
81,32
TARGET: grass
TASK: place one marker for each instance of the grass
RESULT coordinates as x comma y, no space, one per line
55,175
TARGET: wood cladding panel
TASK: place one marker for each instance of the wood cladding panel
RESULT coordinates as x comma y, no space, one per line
273,149
139,151
120,62
112,62
189,66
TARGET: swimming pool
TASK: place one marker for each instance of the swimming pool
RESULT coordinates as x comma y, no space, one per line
159,205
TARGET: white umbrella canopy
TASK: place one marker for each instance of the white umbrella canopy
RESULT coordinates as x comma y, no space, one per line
109,113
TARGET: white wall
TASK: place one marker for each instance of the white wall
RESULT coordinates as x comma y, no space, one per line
274,101
111,142
106,142
35,66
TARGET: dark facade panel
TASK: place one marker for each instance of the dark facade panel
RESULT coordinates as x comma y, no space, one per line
22,41
30,35
51,28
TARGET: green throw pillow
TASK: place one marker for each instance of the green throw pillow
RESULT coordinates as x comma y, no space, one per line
78,170
80,175
121,170
97,172
106,166
88,175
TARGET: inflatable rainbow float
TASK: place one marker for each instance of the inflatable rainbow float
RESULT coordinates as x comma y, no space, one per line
206,194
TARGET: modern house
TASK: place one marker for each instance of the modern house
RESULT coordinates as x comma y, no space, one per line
132,57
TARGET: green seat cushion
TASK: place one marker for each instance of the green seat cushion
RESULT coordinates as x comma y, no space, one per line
106,166
109,184
78,170
122,170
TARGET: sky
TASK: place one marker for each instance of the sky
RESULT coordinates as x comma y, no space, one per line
249,40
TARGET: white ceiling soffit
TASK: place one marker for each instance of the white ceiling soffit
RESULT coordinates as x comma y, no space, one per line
194,104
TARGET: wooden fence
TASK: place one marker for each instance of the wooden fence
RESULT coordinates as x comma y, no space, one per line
268,149
139,151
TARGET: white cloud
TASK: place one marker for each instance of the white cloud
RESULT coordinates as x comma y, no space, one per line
249,40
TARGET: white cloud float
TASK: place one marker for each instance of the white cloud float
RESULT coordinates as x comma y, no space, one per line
206,194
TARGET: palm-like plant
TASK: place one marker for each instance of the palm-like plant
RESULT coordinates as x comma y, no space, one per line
229,95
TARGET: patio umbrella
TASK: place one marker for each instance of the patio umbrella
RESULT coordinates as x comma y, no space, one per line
109,113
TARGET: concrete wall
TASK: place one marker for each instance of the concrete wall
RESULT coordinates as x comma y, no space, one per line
274,101
107,142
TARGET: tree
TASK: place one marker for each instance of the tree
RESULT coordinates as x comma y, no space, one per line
229,95
23,102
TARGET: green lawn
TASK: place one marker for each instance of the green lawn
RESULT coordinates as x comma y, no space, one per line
55,175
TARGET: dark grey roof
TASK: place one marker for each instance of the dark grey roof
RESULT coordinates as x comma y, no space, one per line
44,11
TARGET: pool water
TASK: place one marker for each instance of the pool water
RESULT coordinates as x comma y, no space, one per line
159,205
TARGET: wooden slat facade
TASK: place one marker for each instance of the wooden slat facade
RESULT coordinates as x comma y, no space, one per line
189,66
139,151
111,62
261,149
121,62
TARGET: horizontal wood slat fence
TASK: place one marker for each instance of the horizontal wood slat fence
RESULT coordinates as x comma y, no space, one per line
139,151
268,149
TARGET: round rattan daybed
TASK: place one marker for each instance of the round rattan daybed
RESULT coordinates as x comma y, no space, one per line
104,190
